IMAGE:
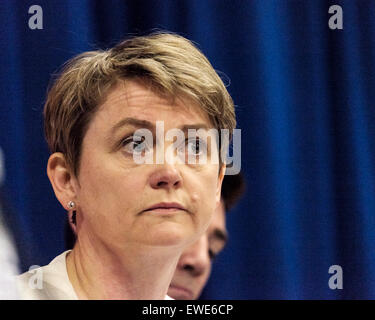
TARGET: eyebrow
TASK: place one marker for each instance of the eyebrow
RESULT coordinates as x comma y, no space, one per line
132,122
198,126
149,125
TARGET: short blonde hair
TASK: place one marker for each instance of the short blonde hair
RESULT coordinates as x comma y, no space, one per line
169,62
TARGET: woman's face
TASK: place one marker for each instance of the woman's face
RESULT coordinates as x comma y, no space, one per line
120,202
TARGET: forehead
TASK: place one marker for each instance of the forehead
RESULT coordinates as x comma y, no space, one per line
137,99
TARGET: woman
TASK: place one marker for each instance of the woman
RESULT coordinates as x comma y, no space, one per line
132,219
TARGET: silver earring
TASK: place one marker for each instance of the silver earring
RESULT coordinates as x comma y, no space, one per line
71,205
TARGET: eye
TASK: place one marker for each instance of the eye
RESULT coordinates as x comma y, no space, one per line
135,144
196,146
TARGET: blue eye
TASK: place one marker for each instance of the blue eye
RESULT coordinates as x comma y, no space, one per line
131,146
196,146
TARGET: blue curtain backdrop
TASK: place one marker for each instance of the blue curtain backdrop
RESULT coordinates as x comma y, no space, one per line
305,103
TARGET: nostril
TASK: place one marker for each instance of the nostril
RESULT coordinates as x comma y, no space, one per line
165,180
165,177
161,183
188,267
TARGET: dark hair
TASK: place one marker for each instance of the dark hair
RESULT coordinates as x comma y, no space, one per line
232,189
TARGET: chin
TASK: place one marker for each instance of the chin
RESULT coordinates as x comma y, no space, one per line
172,234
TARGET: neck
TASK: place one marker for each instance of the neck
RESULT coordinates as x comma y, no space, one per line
141,273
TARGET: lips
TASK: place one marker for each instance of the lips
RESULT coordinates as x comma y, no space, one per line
180,293
166,207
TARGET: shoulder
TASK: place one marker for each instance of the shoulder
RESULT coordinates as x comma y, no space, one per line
49,282
31,285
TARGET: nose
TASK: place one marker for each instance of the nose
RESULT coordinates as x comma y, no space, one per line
165,177
195,260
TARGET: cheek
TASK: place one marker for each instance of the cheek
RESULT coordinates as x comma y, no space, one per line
107,188
203,192
201,283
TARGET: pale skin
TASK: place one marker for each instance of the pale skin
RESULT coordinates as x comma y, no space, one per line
123,250
194,266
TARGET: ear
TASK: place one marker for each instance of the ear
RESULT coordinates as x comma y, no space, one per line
219,183
63,182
